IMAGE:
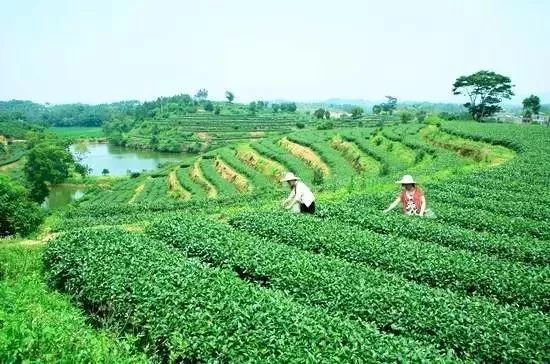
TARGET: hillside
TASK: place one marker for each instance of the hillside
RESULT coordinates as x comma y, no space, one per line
196,262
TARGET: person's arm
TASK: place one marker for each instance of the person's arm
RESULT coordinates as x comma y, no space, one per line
289,200
423,207
393,204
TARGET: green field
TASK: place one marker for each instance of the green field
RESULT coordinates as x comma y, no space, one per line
196,262
77,132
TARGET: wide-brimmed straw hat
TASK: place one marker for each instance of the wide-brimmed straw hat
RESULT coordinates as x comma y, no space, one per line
406,180
289,176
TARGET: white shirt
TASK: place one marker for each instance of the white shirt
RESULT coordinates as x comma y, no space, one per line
301,194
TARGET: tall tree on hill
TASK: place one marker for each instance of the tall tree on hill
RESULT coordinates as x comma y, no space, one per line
390,105
531,106
485,89
229,96
202,94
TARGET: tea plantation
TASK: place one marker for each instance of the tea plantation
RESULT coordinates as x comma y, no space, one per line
196,262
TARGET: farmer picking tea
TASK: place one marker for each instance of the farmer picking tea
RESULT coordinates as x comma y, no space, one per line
411,198
301,198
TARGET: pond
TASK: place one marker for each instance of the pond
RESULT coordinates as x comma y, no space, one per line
61,195
116,160
119,160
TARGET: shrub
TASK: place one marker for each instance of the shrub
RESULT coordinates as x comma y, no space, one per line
367,294
318,177
326,125
185,311
19,215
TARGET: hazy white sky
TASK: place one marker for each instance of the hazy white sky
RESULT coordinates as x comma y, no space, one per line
98,51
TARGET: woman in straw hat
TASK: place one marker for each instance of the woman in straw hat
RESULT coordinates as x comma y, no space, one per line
411,198
301,198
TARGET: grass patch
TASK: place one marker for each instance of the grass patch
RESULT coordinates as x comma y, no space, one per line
78,132
38,325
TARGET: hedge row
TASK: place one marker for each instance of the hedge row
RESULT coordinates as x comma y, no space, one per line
434,265
513,205
470,328
476,218
360,211
187,312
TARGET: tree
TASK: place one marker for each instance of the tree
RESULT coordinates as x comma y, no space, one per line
19,214
406,116
288,106
209,106
356,112
154,137
275,107
531,106
319,113
252,107
217,110
327,114
47,162
421,116
377,109
390,105
229,96
202,94
105,171
485,89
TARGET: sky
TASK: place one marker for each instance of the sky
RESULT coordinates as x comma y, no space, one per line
62,51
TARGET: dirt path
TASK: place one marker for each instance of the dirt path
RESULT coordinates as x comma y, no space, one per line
137,192
360,162
480,152
176,188
43,239
197,176
305,153
10,166
267,167
229,174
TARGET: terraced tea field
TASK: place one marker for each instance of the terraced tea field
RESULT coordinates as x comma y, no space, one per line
204,131
196,262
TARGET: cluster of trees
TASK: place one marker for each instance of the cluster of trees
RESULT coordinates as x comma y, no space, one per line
256,106
48,161
321,113
62,115
408,116
387,107
284,107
